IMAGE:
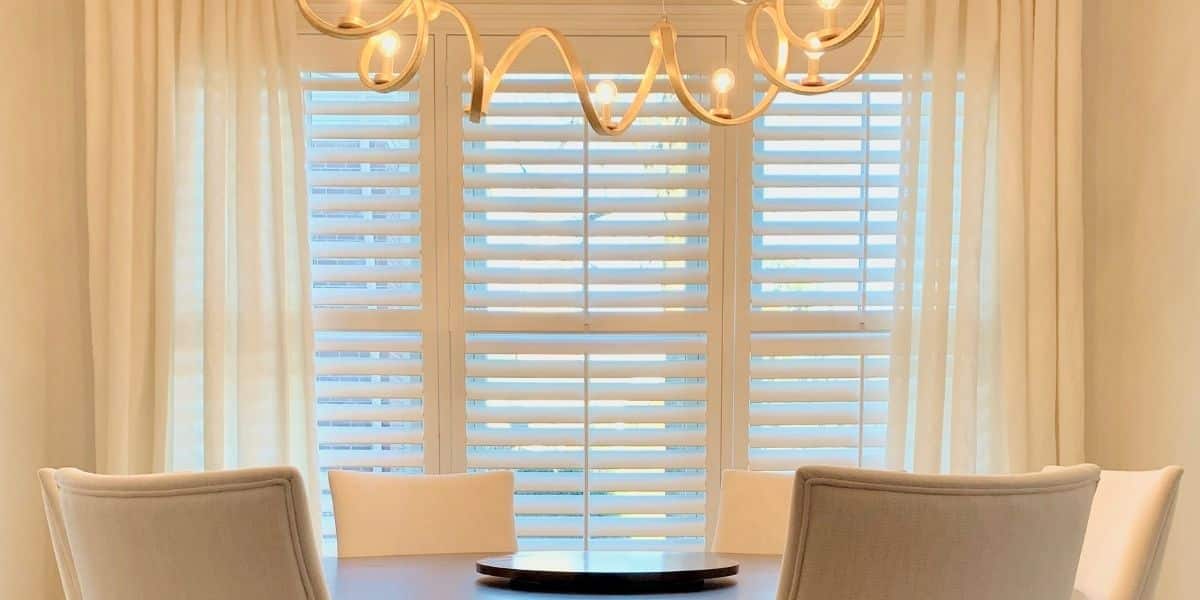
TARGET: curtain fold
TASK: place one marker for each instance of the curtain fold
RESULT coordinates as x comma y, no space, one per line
198,228
987,345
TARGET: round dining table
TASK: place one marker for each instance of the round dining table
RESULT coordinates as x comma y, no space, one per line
453,577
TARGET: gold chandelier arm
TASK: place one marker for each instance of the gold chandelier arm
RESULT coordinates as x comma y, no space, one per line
574,70
760,60
411,66
355,33
667,37
843,37
478,72
483,87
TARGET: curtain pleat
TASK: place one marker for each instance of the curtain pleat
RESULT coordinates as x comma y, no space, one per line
197,207
987,343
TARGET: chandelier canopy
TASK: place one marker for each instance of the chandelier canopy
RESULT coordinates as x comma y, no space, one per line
597,104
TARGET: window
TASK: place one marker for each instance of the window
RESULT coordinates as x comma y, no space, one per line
370,291
615,319
587,313
825,188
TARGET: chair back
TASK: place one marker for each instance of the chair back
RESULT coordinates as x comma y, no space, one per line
380,514
1126,534
752,516
864,535
52,501
234,535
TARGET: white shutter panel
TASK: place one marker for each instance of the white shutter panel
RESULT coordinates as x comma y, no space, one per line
369,293
826,172
526,170
587,313
643,398
523,202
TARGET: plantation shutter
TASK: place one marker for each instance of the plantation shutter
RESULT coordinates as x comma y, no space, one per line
371,292
824,199
588,314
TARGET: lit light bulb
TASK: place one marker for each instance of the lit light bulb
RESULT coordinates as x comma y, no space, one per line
606,92
389,43
812,46
829,4
812,49
722,83
723,80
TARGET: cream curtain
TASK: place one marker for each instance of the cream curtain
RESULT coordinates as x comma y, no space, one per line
198,236
987,363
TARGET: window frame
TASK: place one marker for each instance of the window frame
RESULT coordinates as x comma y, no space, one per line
444,321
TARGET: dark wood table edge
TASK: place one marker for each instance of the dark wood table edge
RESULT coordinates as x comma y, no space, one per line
611,582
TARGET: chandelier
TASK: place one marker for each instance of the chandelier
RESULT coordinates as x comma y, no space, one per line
382,45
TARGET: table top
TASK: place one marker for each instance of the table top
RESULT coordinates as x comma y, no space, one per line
453,577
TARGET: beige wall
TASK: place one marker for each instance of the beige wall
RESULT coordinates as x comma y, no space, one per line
1142,166
44,370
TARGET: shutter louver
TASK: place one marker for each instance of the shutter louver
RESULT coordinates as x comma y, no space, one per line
364,196
525,176
826,183
365,202
642,398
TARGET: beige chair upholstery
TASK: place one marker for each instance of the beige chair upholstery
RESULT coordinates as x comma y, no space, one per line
1122,551
234,535
58,534
380,514
869,535
752,516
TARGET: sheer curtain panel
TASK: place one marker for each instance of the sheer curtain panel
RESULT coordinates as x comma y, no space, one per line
198,232
987,364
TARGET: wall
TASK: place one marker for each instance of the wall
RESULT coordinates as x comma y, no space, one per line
44,369
1142,126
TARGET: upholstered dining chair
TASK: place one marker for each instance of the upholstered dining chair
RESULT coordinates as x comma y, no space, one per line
52,500
753,512
1126,534
859,535
381,514
235,535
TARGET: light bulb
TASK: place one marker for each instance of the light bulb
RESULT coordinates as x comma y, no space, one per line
829,4
606,92
723,80
389,42
812,46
